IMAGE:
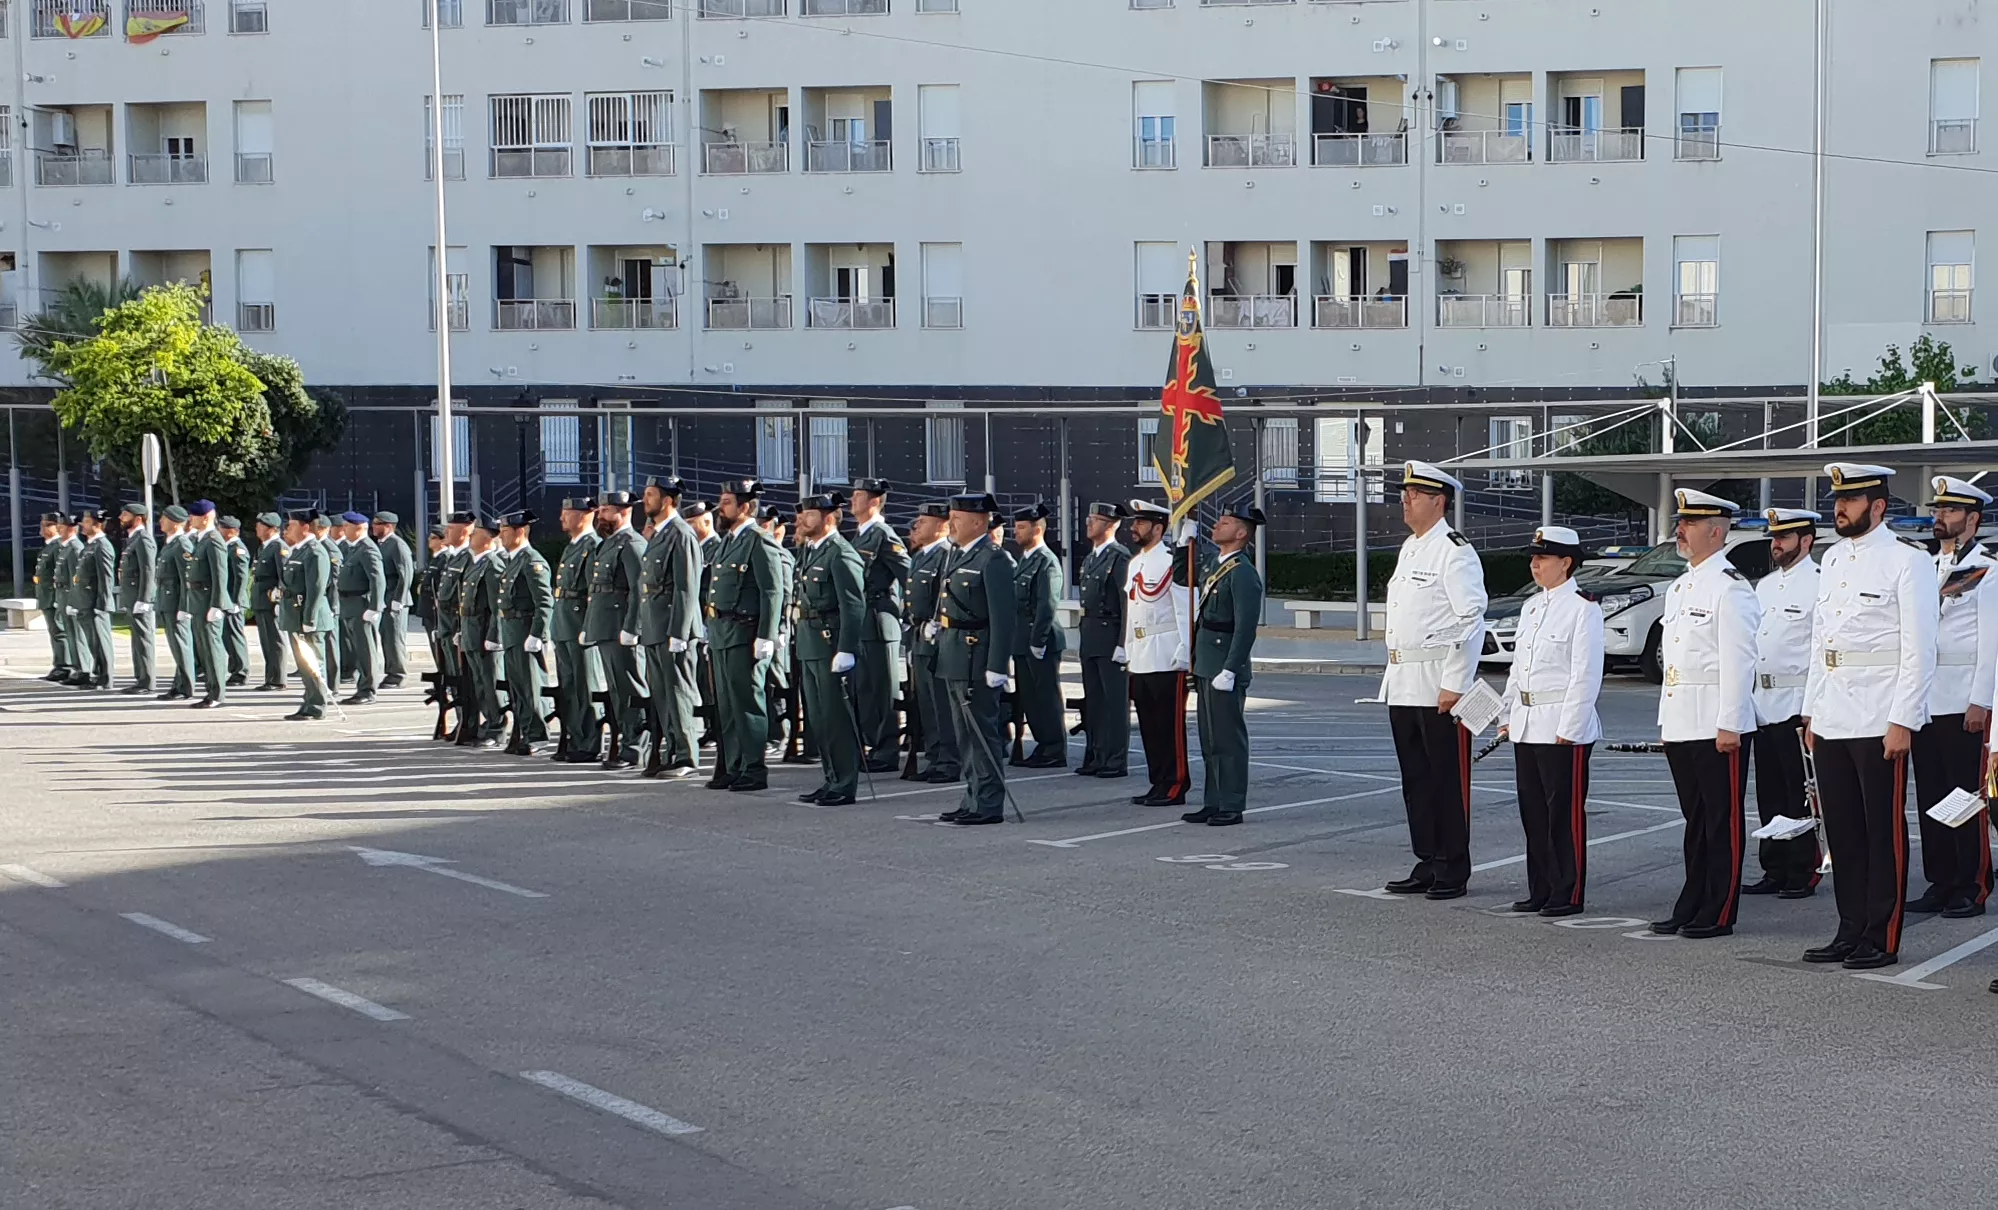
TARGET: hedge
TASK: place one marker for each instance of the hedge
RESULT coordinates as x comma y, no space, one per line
1329,577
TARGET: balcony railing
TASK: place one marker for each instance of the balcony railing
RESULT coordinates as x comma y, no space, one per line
57,18
1697,311
843,8
849,157
1153,153
943,312
1157,311
1484,311
1251,150
1595,310
745,314
939,155
1949,306
936,6
1359,150
527,12
196,22
88,167
168,169
634,313
529,314
1332,311
253,168
1252,311
1594,146
642,159
737,159
740,9
1952,136
255,317
851,313
530,161
1697,144
249,17
627,10
1483,147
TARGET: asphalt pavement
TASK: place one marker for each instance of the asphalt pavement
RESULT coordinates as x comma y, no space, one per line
246,963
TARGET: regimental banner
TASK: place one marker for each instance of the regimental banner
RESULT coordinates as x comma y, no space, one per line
143,27
1191,451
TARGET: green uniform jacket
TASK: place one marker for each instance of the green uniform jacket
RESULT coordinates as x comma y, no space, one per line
526,597
66,557
478,600
669,588
926,569
49,588
976,613
451,563
205,563
93,584
397,563
885,562
746,594
1231,608
1100,583
832,610
425,607
267,577
572,589
710,550
239,573
616,570
308,572
1036,588
787,612
363,586
135,571
336,556
170,578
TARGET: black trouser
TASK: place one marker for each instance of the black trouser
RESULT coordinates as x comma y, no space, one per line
1434,752
1711,789
1779,790
1106,714
1039,685
1553,781
1957,861
1160,699
1864,795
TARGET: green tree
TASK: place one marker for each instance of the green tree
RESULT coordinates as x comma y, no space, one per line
1929,360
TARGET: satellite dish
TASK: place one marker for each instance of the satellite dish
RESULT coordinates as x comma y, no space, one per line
1994,365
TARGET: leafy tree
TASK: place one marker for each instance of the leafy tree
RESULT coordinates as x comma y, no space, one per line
71,316
1930,360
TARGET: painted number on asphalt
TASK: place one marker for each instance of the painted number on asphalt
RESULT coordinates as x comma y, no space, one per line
1222,861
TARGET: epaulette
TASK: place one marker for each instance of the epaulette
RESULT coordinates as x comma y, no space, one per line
1459,539
1921,546
1733,573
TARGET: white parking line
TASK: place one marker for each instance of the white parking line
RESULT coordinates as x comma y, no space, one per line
346,999
1914,975
1074,841
25,874
959,786
597,1098
1517,859
161,926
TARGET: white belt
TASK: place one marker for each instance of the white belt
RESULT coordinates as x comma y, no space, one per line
1770,680
1675,677
1956,659
1139,632
1419,655
1547,697
1862,659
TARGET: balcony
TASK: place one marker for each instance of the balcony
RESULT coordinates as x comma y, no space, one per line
88,167
1696,311
155,11
939,155
738,159
843,8
1595,310
633,314
748,314
253,168
627,10
635,159
1251,150
530,162
534,314
943,312
1359,150
1157,312
255,317
859,313
527,12
872,156
1359,313
1252,311
1594,146
1483,311
1953,136
1949,306
1697,143
742,9
1483,147
70,19
1153,153
249,17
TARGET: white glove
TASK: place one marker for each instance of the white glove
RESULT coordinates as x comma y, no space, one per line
457,640
181,616
277,595
1120,656
532,644
103,613
1188,530
676,646
396,606
995,680
371,615
309,628
1224,681
141,608
763,649
930,631
842,662
71,610
232,609
627,639
1039,653
492,646
213,615
1012,686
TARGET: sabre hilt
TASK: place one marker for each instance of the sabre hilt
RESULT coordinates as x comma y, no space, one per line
1652,746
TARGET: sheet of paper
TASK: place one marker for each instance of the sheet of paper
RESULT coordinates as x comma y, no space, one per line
1957,808
1784,828
1479,708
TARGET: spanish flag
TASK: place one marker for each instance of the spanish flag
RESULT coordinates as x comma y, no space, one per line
79,24
143,27
1191,451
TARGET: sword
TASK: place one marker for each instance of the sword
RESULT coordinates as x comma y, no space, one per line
1651,746
963,714
1488,749
860,741
1812,800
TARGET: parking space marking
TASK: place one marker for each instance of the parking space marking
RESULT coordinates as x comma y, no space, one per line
165,927
1593,842
610,1102
1914,975
26,874
1075,841
346,999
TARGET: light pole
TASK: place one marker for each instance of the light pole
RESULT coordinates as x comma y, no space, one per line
446,472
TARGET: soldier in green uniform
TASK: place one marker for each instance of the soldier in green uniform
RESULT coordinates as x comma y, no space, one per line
578,674
526,604
777,690
363,593
398,573
50,593
616,571
700,515
976,617
93,590
669,621
745,599
169,599
266,591
832,624
452,563
340,665
1037,639
479,638
305,611
424,604
875,682
235,635
206,599
931,550
1106,686
135,594
1227,615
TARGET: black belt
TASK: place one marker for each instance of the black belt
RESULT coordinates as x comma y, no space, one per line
738,615
362,593
948,622
1218,627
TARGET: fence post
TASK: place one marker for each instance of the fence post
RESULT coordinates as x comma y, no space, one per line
421,511
1262,541
1362,621
1067,507
16,532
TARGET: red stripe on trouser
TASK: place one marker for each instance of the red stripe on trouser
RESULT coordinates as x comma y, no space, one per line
1734,837
1182,780
1900,853
1983,825
1464,766
1578,820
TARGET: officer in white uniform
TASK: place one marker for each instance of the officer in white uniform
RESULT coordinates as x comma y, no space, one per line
1550,698
1435,628
1705,711
1949,752
1158,643
1873,652
1789,597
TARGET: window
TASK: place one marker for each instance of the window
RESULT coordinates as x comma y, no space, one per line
461,446
1340,459
561,442
1148,430
1697,275
943,445
1512,440
454,136
616,471
828,434
450,13
936,113
527,12
943,285
1952,106
1160,268
1950,259
530,135
1279,451
1152,102
253,17
1699,91
1567,432
776,442
253,142
256,287
631,133
457,288
6,145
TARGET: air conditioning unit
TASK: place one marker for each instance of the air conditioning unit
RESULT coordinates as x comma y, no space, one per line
62,128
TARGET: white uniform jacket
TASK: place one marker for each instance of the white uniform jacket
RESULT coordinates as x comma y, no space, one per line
1783,641
1557,673
1708,649
1966,632
1157,635
1873,643
1435,618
